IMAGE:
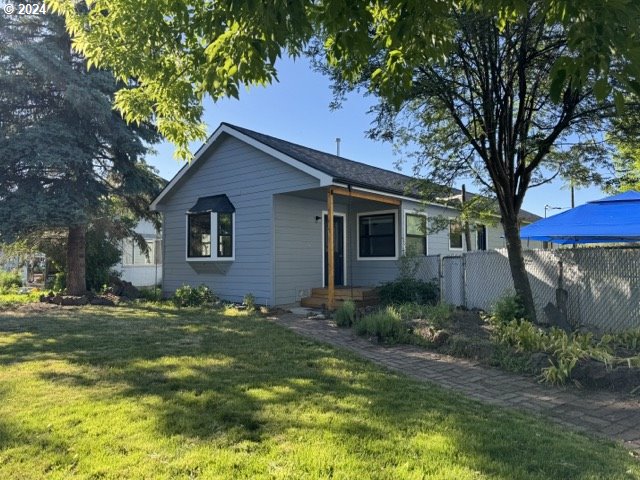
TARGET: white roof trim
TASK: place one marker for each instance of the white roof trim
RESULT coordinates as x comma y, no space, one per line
323,177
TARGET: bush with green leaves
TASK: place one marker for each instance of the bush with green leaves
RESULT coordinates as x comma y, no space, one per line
10,281
386,325
508,308
408,290
345,315
188,296
150,294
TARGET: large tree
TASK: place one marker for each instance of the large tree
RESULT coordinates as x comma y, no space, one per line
400,50
492,110
64,152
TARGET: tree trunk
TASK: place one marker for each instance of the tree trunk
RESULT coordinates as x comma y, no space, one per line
517,266
76,245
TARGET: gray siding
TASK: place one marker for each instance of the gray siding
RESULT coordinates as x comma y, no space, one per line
249,178
298,246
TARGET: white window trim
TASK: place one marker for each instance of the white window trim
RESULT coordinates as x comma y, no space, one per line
214,240
404,229
395,232
344,240
452,249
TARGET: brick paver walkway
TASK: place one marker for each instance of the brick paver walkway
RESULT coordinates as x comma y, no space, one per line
600,413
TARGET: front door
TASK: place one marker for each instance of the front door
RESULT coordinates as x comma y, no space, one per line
338,249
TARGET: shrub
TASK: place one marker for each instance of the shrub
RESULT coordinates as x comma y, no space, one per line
10,280
508,308
188,296
386,325
408,290
249,301
346,314
59,282
150,294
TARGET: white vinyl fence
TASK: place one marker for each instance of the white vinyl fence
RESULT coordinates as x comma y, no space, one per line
603,284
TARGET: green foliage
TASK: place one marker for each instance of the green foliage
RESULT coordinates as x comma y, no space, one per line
150,294
438,315
507,359
508,308
81,165
386,325
249,301
226,46
59,283
629,340
10,280
565,349
12,299
102,253
346,314
408,290
188,296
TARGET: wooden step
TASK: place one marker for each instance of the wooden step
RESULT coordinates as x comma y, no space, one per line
358,293
321,302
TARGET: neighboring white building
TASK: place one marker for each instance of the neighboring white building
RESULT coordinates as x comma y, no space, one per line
142,270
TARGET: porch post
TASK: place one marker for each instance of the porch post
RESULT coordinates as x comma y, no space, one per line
330,250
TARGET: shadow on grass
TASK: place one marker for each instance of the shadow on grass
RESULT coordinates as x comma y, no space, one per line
238,380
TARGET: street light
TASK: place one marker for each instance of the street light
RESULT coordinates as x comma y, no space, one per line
549,207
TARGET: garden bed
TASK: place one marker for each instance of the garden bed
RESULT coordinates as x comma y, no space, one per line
607,362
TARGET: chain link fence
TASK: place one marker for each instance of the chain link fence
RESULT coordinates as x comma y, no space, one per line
603,284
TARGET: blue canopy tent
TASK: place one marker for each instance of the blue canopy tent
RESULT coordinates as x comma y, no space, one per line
609,220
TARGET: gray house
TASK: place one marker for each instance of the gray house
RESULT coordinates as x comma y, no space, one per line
249,215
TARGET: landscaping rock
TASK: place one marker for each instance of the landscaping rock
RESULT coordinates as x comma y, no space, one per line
100,300
122,288
70,300
538,361
593,374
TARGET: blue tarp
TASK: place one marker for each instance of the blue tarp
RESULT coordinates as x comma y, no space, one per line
609,220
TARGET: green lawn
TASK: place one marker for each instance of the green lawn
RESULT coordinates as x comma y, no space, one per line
156,393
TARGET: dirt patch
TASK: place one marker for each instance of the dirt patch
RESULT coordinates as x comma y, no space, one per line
465,335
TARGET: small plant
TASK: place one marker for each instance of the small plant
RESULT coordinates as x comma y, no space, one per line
188,296
249,301
408,290
346,314
386,325
10,281
565,350
508,308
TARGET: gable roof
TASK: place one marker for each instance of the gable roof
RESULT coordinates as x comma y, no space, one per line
326,167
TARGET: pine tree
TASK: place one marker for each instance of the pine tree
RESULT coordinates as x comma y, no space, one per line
64,152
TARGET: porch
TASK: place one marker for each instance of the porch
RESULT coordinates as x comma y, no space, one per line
365,236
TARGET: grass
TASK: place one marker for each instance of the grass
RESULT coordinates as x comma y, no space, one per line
152,392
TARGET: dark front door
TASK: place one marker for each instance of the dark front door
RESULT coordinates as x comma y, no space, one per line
338,250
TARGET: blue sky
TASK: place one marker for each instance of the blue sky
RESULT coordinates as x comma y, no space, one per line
297,109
